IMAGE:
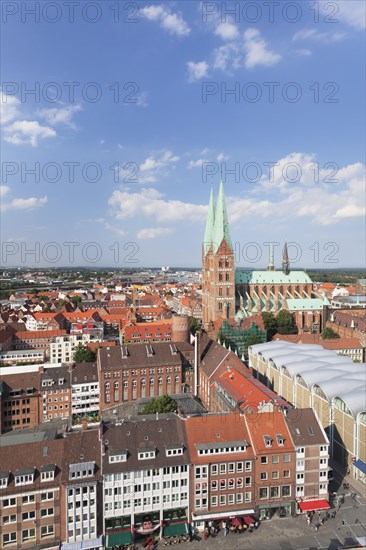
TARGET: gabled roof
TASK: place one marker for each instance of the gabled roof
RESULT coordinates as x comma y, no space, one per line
271,277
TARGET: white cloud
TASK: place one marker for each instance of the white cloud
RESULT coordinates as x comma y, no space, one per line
120,146
197,70
8,107
351,12
196,163
247,51
227,31
4,189
257,52
155,166
152,204
153,232
61,115
318,36
24,204
171,22
27,132
117,230
221,157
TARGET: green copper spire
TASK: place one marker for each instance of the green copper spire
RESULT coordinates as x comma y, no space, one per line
209,223
221,228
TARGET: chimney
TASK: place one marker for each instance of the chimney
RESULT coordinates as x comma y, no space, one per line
84,424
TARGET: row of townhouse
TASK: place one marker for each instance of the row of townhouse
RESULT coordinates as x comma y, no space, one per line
106,486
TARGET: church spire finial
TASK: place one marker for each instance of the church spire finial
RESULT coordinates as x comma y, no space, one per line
285,261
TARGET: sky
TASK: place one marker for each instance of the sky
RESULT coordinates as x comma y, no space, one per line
118,117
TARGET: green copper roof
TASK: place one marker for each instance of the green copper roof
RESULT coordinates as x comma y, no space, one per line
207,240
271,277
294,304
221,229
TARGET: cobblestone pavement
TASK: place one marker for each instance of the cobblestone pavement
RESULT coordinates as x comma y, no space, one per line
294,533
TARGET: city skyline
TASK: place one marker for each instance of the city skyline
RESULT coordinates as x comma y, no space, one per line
154,105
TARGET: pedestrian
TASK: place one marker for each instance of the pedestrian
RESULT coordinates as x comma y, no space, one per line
224,527
308,520
317,527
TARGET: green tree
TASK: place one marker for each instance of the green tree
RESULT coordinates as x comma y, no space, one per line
253,339
162,404
83,354
286,323
270,324
194,325
329,333
42,298
75,299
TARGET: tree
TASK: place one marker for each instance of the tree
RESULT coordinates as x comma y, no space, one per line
75,299
194,325
329,333
162,404
253,339
286,323
270,324
83,354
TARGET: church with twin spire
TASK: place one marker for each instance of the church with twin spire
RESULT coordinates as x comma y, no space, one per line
236,293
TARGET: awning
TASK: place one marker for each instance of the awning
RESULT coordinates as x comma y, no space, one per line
83,544
249,520
118,539
360,465
173,529
231,514
312,505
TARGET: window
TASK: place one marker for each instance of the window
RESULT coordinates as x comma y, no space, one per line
174,452
25,479
214,469
275,474
146,455
286,473
248,466
28,499
117,458
300,450
286,490
47,496
214,501
26,516
45,476
275,459
248,496
9,519
275,492
239,467
46,512
239,498
47,531
9,538
299,476
9,502
222,468
264,476
263,492
231,467
231,499
286,458
222,500
28,535
264,459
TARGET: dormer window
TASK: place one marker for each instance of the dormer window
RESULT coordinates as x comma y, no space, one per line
82,469
118,456
267,441
174,451
4,479
61,381
280,440
146,454
24,476
48,472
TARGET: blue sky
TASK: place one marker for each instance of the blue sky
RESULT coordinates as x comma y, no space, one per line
163,141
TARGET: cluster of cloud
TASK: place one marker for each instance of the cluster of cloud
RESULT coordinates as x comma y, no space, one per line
20,203
18,130
169,21
311,196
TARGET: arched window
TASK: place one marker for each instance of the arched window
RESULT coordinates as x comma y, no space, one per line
116,384
125,384
143,382
152,381
341,405
168,380
160,380
134,383
106,386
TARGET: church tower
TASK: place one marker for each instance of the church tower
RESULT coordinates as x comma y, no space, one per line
285,261
218,270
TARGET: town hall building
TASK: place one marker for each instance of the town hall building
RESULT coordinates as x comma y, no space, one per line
230,293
